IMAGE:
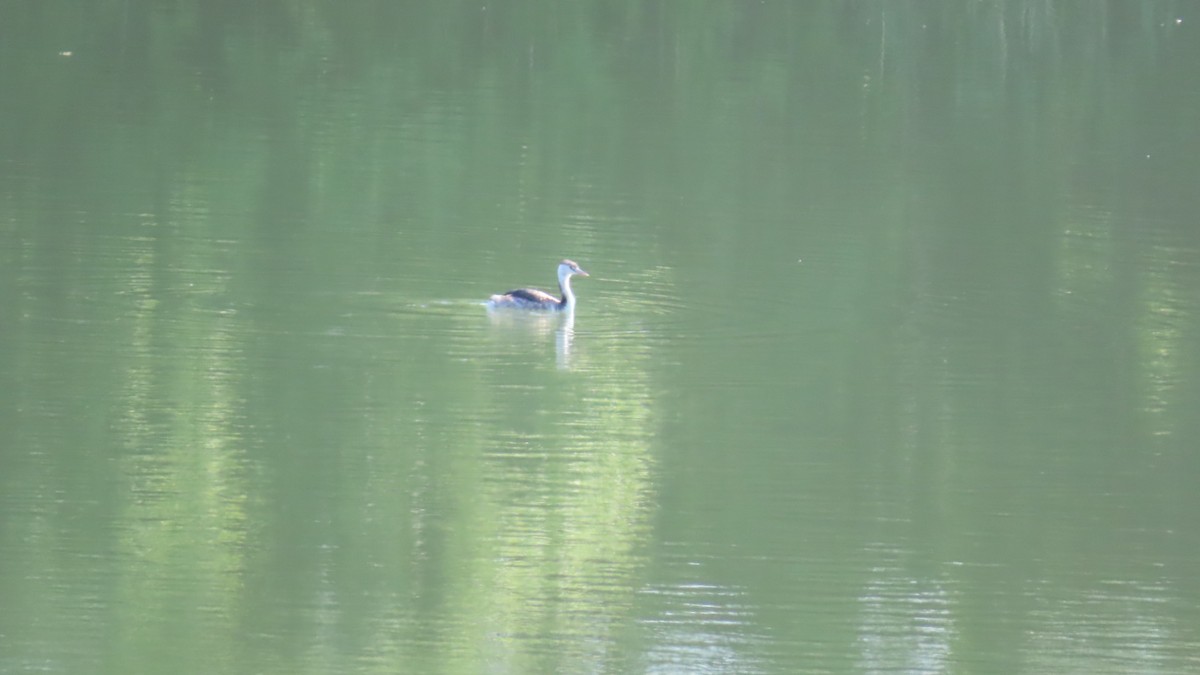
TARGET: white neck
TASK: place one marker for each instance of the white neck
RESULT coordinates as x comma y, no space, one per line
564,285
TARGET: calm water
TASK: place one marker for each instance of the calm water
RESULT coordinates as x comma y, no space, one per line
889,360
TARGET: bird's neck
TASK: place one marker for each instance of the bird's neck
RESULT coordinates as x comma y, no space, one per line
568,298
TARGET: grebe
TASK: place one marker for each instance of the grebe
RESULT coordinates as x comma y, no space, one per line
530,298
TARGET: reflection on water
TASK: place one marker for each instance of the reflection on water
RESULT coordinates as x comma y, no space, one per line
569,493
527,327
907,625
698,628
562,341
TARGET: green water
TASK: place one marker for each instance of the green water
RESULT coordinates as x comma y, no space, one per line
889,359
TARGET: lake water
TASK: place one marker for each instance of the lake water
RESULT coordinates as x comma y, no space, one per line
889,359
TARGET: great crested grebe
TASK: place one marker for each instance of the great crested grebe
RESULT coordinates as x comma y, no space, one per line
531,298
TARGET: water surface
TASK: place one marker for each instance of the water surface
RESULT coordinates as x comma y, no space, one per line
888,360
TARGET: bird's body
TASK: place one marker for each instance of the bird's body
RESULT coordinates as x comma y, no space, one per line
531,298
